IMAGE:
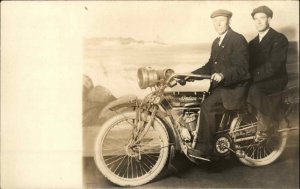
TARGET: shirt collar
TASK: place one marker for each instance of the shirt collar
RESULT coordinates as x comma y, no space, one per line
261,35
222,37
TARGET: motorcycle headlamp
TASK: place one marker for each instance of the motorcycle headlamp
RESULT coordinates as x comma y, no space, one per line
148,77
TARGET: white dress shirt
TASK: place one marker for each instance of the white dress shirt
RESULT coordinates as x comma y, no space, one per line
262,34
222,37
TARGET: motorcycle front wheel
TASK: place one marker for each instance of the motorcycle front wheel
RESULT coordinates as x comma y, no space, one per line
263,153
125,163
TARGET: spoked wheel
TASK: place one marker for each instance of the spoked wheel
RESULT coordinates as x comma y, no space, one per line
124,162
260,153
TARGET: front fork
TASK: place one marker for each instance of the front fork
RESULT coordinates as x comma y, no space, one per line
141,129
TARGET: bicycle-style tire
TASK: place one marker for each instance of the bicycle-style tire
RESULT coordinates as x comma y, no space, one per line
122,165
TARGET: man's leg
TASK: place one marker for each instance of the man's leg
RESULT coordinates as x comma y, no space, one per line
265,124
211,107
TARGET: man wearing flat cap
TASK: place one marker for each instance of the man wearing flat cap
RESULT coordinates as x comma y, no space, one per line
228,67
268,55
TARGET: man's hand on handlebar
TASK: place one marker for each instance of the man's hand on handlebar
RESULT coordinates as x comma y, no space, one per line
218,77
182,79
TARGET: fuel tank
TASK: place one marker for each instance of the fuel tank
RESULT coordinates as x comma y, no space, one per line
176,99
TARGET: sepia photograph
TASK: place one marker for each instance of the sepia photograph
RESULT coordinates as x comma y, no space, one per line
191,94
150,94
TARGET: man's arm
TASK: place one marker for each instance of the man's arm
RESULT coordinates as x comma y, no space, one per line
238,71
275,62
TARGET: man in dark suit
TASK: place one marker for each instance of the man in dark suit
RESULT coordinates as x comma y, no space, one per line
228,67
268,55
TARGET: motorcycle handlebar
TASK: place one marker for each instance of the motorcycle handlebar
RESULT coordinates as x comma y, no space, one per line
183,78
191,76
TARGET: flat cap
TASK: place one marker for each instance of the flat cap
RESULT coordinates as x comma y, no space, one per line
262,9
221,12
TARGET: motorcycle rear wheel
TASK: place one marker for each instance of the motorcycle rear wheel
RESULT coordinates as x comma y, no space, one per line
135,165
259,154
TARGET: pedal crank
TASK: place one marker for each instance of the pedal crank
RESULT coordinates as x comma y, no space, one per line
238,153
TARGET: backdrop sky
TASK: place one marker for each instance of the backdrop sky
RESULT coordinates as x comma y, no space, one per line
182,22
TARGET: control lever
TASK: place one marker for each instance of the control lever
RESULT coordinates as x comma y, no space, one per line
182,82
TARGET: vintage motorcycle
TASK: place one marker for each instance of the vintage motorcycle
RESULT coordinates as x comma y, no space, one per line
141,135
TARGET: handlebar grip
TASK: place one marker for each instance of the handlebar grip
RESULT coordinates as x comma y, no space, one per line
182,82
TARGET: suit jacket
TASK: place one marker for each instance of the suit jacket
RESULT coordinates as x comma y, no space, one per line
268,70
268,62
231,59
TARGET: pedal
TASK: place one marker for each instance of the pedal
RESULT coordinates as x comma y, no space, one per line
240,154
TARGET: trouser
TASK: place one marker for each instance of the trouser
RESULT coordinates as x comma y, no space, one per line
264,123
210,108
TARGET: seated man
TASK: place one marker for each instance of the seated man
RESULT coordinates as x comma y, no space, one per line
228,67
268,54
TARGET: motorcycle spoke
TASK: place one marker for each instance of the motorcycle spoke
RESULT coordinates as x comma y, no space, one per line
116,139
253,152
114,161
119,164
122,165
112,146
113,152
127,167
151,164
151,149
141,168
110,158
147,166
119,149
136,169
265,154
260,152
150,157
153,155
131,163
122,170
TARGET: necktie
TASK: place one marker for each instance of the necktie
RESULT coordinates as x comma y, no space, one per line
218,40
260,38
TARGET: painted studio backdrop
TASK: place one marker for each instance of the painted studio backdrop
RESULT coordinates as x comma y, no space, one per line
121,37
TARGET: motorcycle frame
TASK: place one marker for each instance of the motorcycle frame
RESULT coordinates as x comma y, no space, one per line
165,116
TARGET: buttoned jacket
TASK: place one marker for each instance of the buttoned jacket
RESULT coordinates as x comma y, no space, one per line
231,58
268,62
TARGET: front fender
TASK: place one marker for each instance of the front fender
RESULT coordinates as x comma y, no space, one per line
121,102
130,101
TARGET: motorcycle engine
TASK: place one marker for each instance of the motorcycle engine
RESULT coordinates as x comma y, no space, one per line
188,122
